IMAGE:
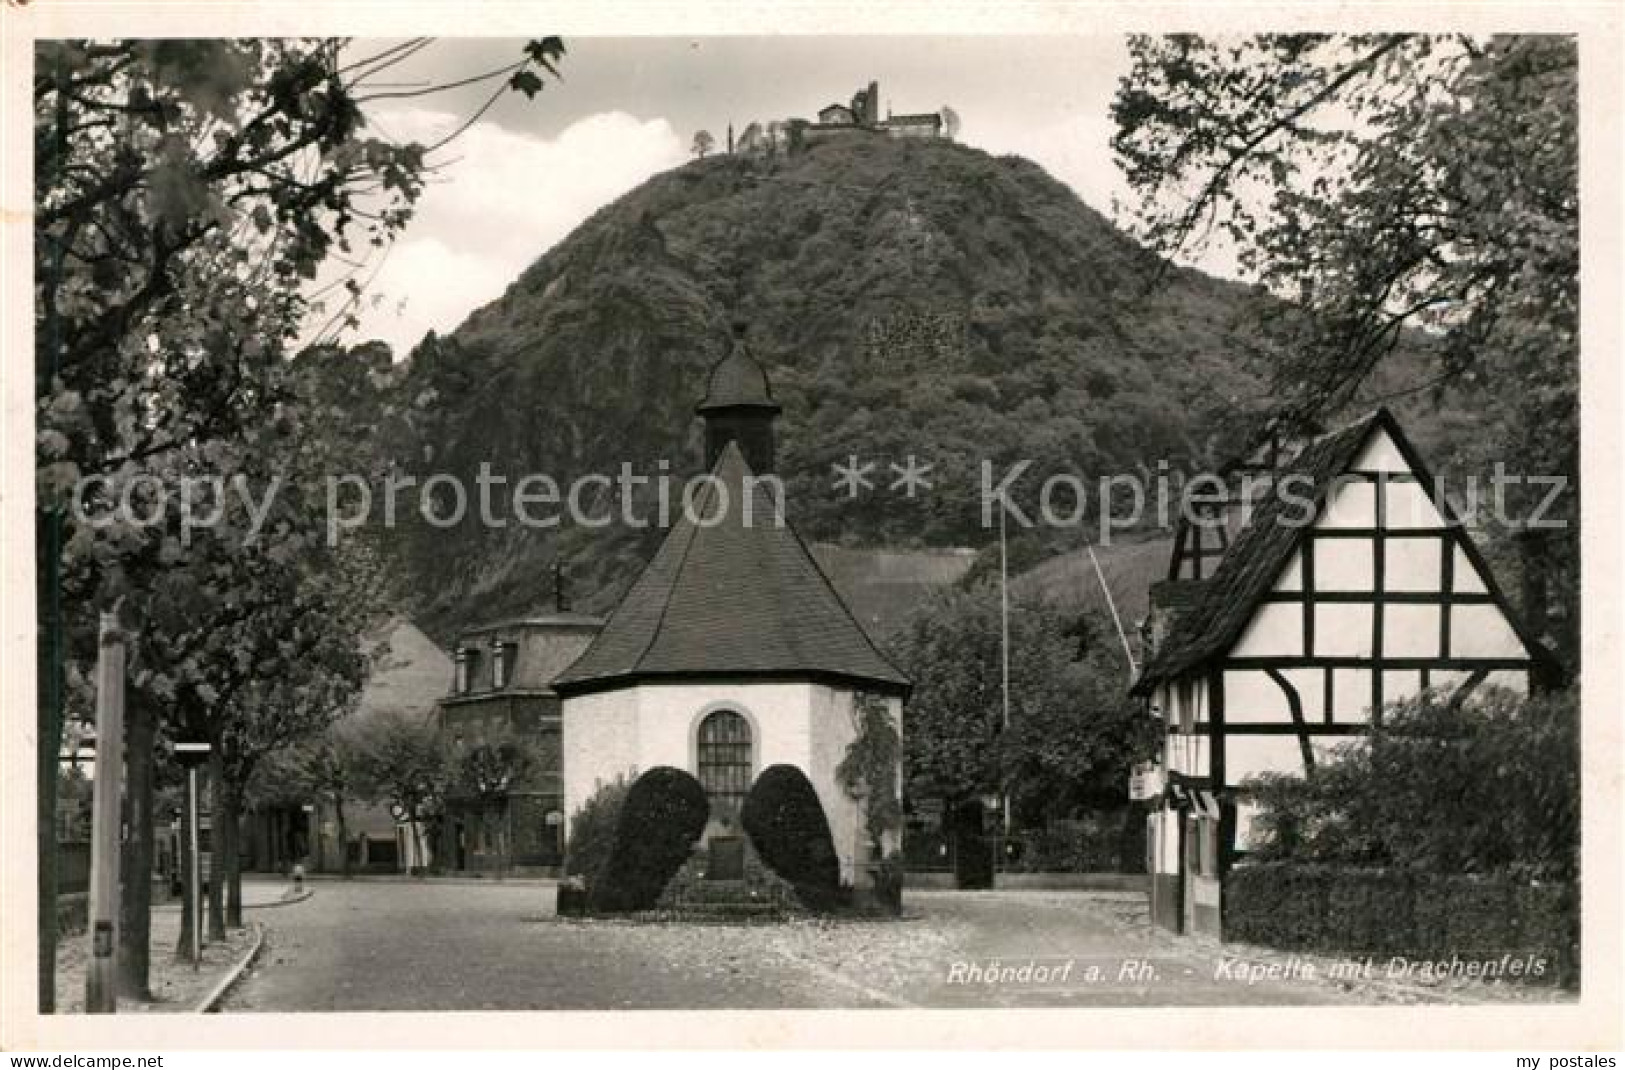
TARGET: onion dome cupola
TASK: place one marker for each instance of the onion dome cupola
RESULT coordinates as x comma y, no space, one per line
739,407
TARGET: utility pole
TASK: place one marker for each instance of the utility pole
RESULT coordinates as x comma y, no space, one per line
101,986
191,755
1111,604
1004,660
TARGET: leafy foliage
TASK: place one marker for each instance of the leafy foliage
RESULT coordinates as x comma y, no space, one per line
493,765
906,297
1421,915
403,762
1394,187
1490,786
664,813
871,768
187,191
1073,734
787,826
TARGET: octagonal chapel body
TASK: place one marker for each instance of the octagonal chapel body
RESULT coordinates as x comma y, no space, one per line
731,652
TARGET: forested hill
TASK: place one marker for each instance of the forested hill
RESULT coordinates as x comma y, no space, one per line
907,297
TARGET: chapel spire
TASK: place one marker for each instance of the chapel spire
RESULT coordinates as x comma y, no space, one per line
739,407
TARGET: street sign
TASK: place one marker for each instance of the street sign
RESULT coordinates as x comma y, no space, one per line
190,752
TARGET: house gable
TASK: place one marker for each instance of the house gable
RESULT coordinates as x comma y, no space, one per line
1378,571
1382,559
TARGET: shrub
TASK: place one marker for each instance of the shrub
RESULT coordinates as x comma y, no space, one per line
786,825
1421,915
1098,841
1490,787
592,830
664,813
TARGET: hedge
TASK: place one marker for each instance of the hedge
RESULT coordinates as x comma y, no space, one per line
1421,915
664,813
786,824
1102,841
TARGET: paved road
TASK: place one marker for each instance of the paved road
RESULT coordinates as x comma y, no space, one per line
496,946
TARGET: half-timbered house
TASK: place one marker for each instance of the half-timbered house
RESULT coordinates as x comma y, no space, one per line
1331,584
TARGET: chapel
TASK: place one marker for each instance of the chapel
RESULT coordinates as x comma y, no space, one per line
731,652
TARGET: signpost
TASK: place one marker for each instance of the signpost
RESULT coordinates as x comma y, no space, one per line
191,755
101,994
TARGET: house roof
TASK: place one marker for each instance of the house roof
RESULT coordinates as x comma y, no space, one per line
731,599
917,117
1248,570
539,620
1263,547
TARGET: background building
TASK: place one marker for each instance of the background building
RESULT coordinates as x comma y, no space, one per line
501,727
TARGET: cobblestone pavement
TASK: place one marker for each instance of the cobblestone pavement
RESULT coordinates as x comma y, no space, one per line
176,986
496,946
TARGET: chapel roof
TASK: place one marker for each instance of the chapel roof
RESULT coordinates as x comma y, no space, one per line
738,380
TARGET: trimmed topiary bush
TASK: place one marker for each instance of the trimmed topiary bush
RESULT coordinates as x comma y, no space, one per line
664,813
786,825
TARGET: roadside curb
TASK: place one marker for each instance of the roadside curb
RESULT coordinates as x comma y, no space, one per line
211,1002
290,901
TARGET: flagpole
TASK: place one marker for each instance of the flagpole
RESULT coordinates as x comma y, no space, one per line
1004,657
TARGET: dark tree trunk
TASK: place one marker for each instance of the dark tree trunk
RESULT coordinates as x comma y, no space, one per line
279,839
183,946
1533,566
217,806
231,858
135,902
48,737
344,835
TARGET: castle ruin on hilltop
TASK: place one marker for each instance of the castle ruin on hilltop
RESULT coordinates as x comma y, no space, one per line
859,117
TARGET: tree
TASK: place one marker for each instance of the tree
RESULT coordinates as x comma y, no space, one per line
488,770
187,190
703,144
1389,190
329,767
1074,735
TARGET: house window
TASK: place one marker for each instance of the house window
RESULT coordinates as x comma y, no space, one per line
724,763
460,685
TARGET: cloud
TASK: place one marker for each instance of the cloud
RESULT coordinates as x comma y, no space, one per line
1075,150
504,198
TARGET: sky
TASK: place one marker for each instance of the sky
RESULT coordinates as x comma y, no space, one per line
529,171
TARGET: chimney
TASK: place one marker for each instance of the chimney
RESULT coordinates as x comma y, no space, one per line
561,594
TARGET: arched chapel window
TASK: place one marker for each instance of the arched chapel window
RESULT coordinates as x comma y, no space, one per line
724,763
